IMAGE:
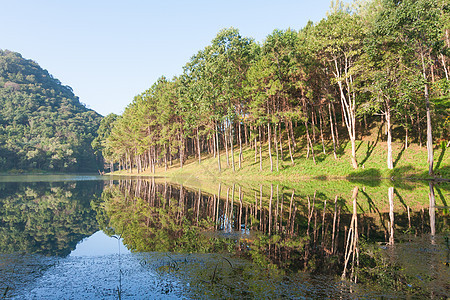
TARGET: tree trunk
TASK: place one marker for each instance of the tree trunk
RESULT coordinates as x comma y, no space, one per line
313,124
281,144
429,129
332,131
256,151
432,209
270,209
240,146
138,161
292,135
181,149
354,162
406,138
309,143
351,247
231,145
335,123
198,146
321,130
289,144
390,163
165,157
348,107
419,128
334,224
270,146
391,215
432,69
126,162
246,134
218,149
214,145
256,145
225,137
260,150
429,134
154,160
445,66
276,142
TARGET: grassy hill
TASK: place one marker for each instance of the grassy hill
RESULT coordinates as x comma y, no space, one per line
410,163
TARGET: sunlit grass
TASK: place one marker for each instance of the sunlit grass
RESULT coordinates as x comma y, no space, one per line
409,163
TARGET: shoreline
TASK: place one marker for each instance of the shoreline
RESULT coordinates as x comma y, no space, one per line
281,178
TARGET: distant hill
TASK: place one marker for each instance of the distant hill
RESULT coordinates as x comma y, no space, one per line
43,125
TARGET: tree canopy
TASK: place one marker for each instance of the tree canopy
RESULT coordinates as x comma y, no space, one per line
327,82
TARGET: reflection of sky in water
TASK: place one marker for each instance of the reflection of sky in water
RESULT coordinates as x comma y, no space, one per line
99,244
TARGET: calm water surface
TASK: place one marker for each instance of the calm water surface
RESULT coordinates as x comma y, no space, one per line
92,237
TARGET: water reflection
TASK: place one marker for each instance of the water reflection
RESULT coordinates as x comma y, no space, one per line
284,228
47,218
310,239
41,222
99,244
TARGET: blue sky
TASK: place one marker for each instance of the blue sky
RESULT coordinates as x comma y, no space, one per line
110,51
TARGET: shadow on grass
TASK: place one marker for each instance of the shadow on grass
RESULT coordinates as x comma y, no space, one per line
405,185
402,201
441,157
399,156
371,146
359,146
321,157
369,177
441,196
340,150
443,173
403,171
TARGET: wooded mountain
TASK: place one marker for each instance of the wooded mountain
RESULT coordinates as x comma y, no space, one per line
43,125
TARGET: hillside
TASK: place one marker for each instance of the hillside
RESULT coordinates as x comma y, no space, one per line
43,125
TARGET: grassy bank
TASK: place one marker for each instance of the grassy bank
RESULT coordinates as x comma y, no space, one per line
410,163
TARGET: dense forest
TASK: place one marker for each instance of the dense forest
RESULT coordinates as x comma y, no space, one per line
43,125
383,62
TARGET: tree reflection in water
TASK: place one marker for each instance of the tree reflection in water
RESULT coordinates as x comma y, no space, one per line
285,231
47,218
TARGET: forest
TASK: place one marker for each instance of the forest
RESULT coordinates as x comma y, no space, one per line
378,63
43,125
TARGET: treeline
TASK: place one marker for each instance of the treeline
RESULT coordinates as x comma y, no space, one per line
43,125
298,88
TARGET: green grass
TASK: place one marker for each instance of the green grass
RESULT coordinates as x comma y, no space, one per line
409,164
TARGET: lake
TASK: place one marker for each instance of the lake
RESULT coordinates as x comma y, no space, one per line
100,237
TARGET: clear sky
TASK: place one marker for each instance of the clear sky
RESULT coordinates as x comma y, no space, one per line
109,51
